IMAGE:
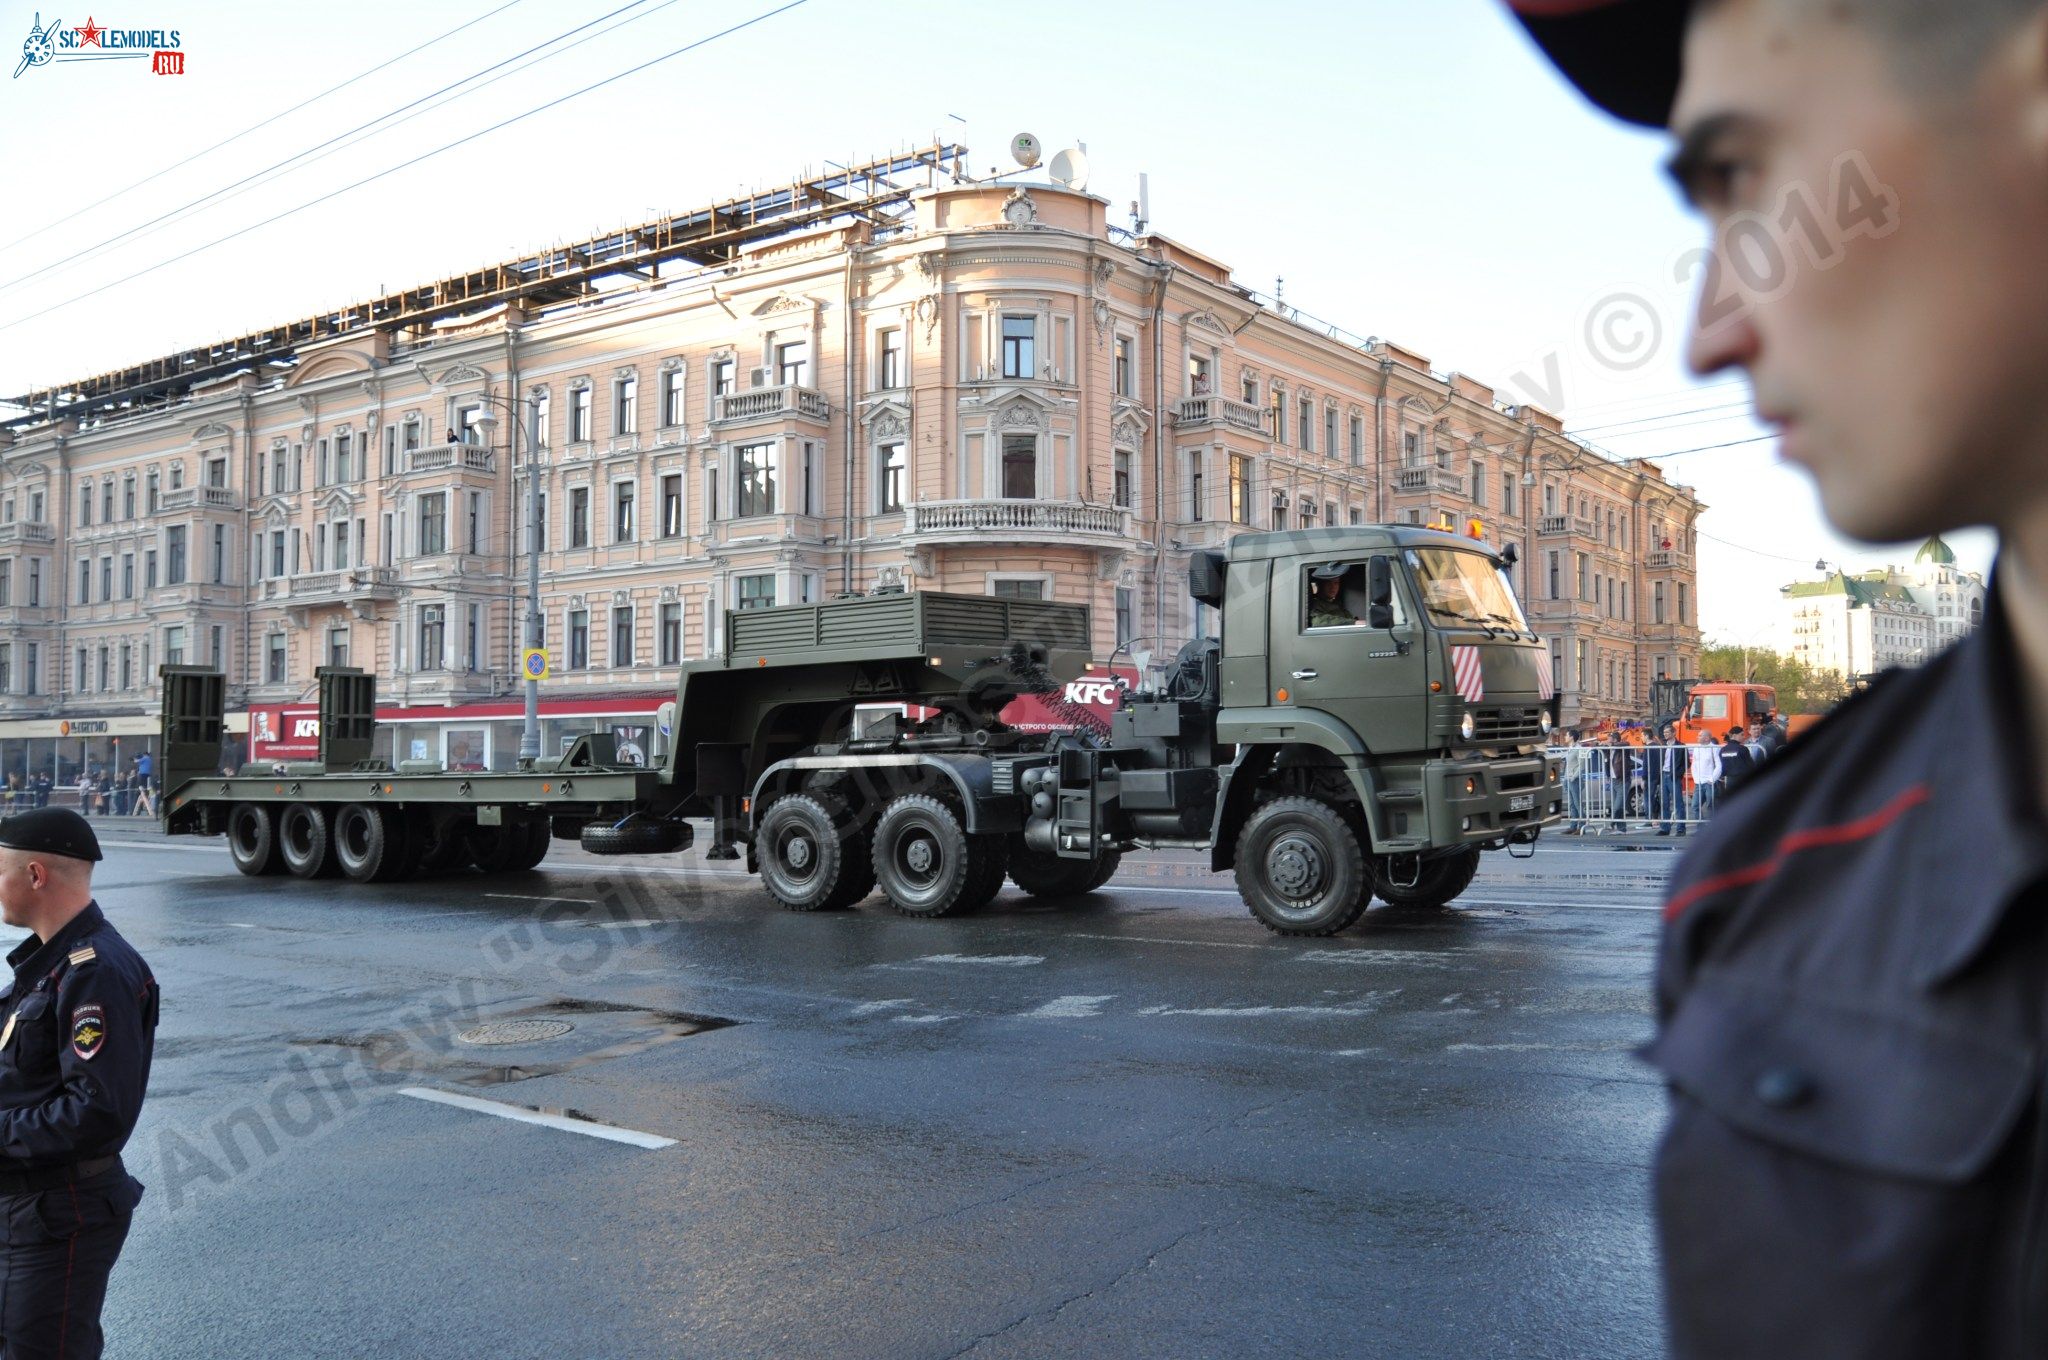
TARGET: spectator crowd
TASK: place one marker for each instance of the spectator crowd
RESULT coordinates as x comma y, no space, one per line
1624,775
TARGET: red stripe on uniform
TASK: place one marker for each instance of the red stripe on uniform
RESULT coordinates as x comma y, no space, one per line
1863,828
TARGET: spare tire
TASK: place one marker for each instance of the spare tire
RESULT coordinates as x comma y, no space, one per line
636,838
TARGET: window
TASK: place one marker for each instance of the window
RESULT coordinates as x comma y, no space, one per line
1122,366
579,516
1195,508
1201,375
1587,586
1358,441
1018,587
104,672
890,467
1123,615
623,494
1307,423
1479,483
32,673
625,405
107,501
1330,513
1020,466
755,592
1681,602
889,359
755,487
579,639
470,420
711,493
79,679
85,506
6,584
85,580
1279,416
35,506
622,636
722,380
671,635
673,412
1308,513
128,496
793,363
537,421
433,637
1553,566
174,555
1019,338
127,669
277,552
6,667
1251,390
1240,489
807,503
433,516
217,559
579,415
174,646
106,579
390,452
672,505
1120,490
337,646
1507,493
1279,509
1330,431
148,571
343,460
273,663
1357,515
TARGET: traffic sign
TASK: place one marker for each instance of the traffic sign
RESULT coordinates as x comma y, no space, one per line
535,663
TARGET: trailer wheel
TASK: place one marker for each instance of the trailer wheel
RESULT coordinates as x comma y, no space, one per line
252,839
1301,869
444,846
539,836
809,860
924,860
367,843
1044,875
1440,881
305,837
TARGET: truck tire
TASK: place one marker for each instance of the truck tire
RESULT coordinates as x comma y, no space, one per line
1044,875
538,838
567,828
444,846
634,838
1441,881
809,860
988,860
252,839
1301,868
368,844
305,839
924,859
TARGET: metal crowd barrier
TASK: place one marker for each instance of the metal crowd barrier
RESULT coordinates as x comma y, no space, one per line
1611,788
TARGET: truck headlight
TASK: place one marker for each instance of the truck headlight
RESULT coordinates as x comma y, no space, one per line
1544,724
1466,727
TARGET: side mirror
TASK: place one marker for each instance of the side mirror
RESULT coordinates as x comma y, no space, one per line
1380,584
1380,616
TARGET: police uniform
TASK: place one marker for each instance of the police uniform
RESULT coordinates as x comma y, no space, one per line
80,1022
1852,982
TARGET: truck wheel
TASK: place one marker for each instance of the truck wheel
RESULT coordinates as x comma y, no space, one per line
305,838
367,843
252,839
1105,869
538,837
809,861
988,860
444,846
924,859
1044,875
1301,869
1441,880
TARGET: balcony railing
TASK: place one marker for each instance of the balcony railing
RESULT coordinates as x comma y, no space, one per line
25,531
771,403
435,457
1432,479
1013,518
1660,560
351,582
208,497
1195,412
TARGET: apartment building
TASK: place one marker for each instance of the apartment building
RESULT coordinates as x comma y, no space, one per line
980,387
1856,625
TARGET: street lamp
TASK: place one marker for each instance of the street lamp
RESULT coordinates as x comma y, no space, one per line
529,733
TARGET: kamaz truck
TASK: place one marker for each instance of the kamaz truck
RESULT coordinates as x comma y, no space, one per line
1371,719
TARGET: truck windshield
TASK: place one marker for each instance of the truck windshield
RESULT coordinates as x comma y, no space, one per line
1465,586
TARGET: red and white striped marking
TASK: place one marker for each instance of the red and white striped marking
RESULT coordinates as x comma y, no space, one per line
1465,672
1544,684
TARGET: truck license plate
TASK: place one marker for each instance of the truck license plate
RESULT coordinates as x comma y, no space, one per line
1522,802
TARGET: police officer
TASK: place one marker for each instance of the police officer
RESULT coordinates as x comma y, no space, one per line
1852,984
1326,607
81,1011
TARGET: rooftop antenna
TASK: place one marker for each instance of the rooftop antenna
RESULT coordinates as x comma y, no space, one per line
1024,149
1141,208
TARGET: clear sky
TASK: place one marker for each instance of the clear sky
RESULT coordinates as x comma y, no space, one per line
1412,171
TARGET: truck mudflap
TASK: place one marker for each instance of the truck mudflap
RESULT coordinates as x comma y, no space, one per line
1490,800
881,776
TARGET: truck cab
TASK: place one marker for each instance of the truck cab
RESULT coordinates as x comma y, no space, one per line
1715,706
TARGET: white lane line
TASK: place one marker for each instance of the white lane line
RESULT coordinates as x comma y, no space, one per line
1156,939
529,897
988,960
870,1007
519,1115
1068,1008
922,1019
218,849
1418,958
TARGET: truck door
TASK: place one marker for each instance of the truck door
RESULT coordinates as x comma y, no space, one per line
1328,657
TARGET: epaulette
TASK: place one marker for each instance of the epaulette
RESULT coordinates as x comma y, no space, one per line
85,953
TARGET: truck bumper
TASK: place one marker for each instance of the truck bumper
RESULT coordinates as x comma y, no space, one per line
1474,801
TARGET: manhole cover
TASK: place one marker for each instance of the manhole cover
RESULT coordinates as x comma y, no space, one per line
515,1032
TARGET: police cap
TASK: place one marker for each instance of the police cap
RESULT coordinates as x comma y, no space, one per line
1624,55
1329,571
51,831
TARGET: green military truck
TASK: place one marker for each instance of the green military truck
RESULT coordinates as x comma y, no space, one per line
1371,719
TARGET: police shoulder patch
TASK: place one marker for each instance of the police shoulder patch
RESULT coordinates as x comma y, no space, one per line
85,953
88,1029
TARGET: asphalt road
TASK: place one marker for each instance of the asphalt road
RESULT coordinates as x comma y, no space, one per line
1129,1125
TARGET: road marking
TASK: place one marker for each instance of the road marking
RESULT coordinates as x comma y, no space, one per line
150,845
520,1115
870,1007
921,1019
1419,958
1365,1005
990,960
1156,939
529,897
1069,1008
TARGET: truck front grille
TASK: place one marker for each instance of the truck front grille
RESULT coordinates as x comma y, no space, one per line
1497,725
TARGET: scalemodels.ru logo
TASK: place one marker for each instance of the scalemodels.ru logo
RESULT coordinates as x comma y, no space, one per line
94,43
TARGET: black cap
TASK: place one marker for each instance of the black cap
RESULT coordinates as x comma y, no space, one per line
1622,54
1329,571
51,831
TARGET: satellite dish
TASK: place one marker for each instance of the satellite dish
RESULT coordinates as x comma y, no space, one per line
1070,168
1024,149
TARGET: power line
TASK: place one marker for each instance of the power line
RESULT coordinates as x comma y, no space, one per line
1662,416
403,165
304,103
1759,552
1642,398
249,179
1653,457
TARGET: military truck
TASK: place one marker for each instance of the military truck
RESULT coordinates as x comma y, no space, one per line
1370,720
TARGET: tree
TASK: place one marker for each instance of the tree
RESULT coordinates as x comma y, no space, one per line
1800,689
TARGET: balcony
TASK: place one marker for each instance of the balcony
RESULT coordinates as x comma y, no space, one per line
440,457
1194,413
1551,526
199,497
442,687
1208,533
1013,521
26,616
771,403
1668,561
764,529
24,531
329,587
1425,479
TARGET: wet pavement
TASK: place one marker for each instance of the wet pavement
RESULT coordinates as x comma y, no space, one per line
1132,1124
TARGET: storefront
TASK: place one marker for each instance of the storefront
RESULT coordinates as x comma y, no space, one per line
61,749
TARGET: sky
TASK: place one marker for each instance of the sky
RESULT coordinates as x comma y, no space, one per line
1410,171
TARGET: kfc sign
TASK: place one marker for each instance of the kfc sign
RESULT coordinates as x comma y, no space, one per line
284,732
1084,703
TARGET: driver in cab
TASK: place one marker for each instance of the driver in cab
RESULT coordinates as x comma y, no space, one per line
1326,605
